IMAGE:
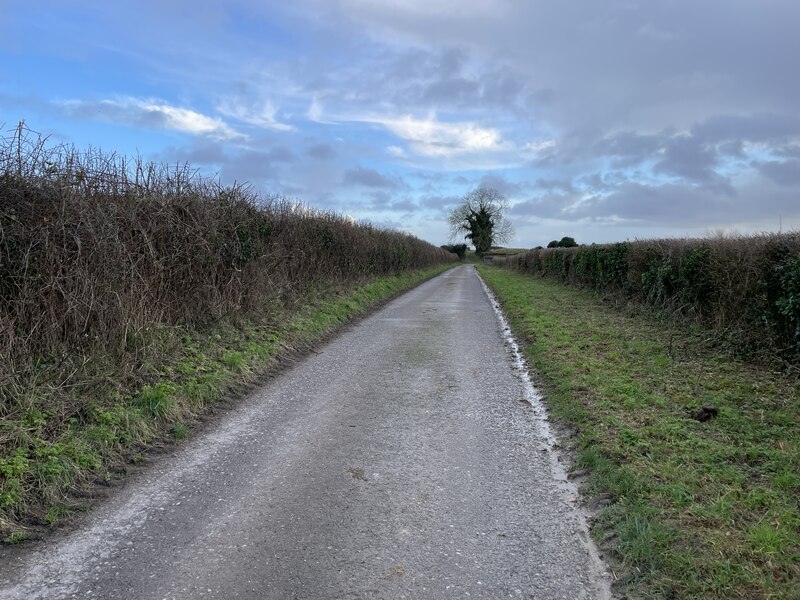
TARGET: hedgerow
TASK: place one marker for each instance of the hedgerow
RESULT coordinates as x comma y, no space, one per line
93,248
745,288
133,294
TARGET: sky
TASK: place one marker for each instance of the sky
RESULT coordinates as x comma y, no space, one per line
603,120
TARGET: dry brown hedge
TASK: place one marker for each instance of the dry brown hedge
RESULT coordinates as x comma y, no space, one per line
745,288
94,248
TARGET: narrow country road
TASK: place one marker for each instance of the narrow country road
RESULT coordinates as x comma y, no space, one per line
400,461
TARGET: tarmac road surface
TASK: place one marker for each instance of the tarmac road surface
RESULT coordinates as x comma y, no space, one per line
400,461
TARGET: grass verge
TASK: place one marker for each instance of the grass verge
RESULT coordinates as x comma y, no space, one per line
82,422
699,509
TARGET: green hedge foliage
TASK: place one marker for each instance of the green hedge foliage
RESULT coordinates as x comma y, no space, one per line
745,288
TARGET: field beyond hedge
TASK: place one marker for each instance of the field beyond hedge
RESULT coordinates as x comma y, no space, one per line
133,295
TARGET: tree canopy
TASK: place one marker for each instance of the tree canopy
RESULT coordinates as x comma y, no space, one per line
564,242
480,217
459,249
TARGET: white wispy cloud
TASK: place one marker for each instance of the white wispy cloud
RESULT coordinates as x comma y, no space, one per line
427,137
431,137
316,113
535,149
151,114
435,138
263,115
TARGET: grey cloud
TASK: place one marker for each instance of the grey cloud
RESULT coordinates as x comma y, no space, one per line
664,64
543,97
692,155
380,199
499,183
249,166
606,181
280,154
786,173
257,166
753,128
790,151
362,176
202,154
437,79
502,86
107,111
436,176
624,149
676,206
404,206
439,202
455,90
412,79
545,206
321,151
492,88
697,156
686,158
733,148
629,148
384,201
687,206
594,183
563,185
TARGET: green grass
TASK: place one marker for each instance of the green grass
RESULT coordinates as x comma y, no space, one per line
15,537
699,509
180,431
507,251
61,436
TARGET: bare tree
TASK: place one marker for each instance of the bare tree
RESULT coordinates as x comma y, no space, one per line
480,218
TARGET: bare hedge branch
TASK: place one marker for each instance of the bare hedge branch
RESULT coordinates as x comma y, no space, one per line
94,247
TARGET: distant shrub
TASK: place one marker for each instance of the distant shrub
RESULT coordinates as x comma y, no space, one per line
745,288
564,242
458,249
